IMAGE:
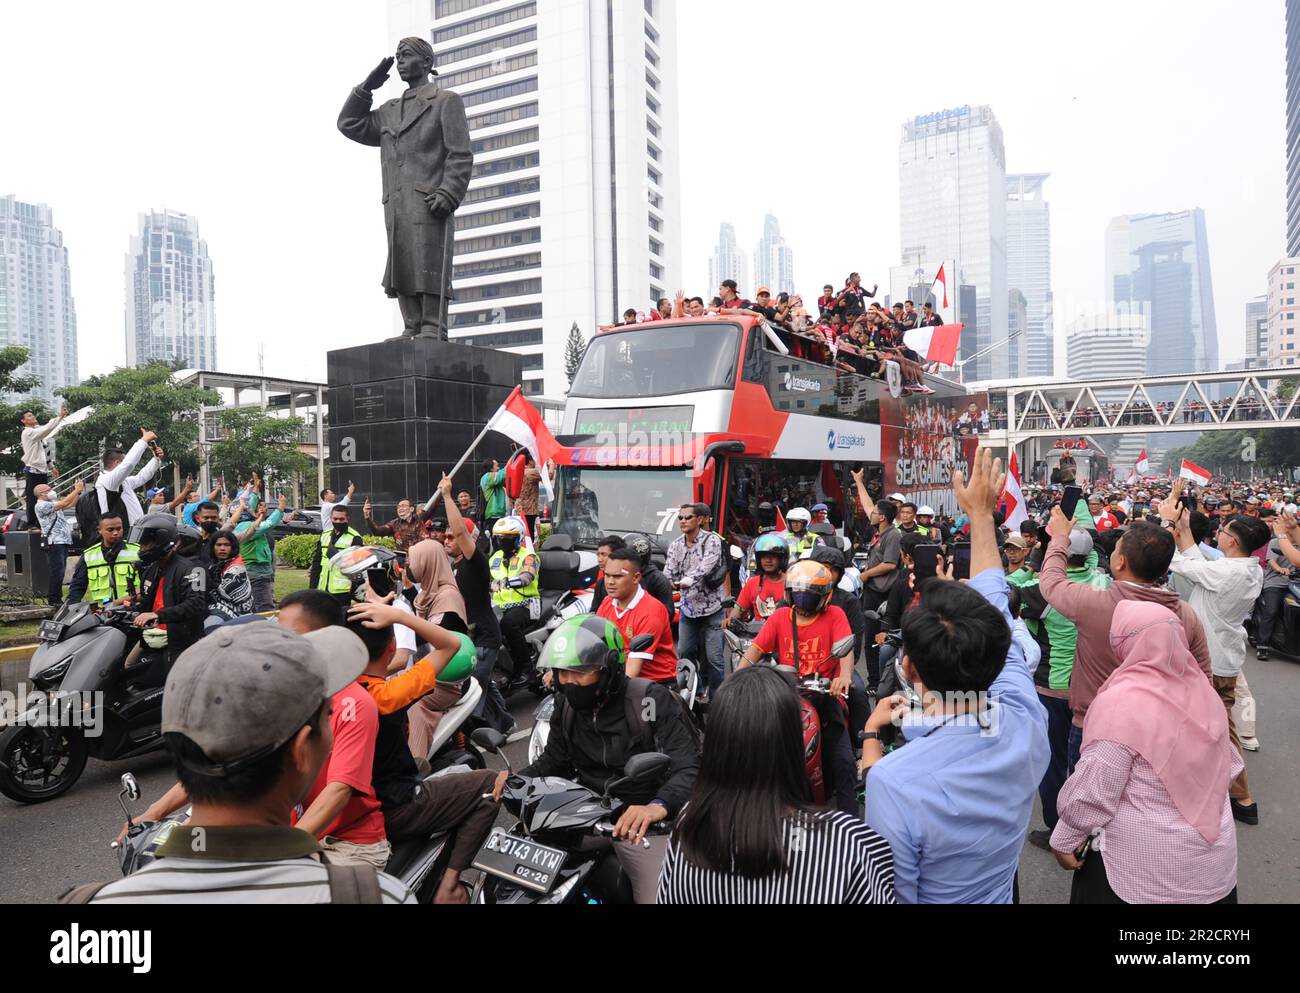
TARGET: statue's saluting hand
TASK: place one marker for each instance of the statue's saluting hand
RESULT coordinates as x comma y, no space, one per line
378,76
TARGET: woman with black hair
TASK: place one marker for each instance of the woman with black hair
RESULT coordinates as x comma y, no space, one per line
750,833
230,592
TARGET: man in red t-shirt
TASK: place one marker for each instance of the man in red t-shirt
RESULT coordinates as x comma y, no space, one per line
342,810
636,613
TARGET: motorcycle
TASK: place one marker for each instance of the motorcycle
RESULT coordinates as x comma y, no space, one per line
418,862
83,705
560,848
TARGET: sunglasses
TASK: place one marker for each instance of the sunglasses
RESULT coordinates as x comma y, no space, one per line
684,517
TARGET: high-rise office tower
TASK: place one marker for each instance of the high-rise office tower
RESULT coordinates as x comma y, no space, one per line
36,308
1158,265
1113,346
1293,128
1279,347
170,290
1029,269
728,262
1256,333
953,204
773,260
574,206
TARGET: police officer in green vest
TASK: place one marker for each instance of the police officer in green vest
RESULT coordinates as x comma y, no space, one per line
107,571
515,595
797,537
323,575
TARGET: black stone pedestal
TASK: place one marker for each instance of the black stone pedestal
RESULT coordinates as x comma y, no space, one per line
401,413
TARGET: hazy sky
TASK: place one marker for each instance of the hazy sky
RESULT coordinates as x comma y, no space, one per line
226,111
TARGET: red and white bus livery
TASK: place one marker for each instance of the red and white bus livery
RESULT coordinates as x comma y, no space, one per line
717,410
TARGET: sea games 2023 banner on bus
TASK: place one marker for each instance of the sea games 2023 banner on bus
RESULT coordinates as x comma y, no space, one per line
924,439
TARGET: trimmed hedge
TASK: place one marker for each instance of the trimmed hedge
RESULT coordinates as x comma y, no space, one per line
298,550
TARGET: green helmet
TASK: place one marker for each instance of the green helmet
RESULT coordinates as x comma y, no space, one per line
584,644
461,665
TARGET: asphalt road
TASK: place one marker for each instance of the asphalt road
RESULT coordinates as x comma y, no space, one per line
47,848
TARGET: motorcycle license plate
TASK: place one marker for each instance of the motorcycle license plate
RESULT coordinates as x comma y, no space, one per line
50,630
520,860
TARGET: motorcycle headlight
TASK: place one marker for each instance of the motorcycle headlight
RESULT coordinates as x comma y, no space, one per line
52,674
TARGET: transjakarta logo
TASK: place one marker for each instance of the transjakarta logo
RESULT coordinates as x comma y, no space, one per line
798,384
844,442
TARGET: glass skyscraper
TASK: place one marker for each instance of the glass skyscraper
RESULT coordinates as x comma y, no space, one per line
728,262
1293,128
36,307
953,204
1029,269
1158,266
773,260
170,313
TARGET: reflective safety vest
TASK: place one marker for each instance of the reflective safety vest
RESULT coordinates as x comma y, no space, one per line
919,529
800,545
503,572
105,582
331,579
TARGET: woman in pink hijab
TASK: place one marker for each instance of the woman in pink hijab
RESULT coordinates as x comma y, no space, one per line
438,600
1149,797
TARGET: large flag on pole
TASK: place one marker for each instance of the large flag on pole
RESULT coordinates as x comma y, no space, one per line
1013,497
1143,465
521,422
939,289
935,344
1193,472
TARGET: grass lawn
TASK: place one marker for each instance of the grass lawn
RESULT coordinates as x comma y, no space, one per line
288,580
18,633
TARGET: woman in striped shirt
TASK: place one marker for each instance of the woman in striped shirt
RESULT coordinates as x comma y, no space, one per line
750,833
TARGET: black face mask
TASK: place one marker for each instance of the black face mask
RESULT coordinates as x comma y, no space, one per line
340,529
209,527
580,697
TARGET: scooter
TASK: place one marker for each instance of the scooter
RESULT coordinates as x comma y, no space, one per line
559,850
451,745
417,862
81,706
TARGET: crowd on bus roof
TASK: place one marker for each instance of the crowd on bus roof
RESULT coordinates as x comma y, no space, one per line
851,332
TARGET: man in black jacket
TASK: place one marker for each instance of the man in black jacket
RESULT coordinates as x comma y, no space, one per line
172,596
601,720
859,701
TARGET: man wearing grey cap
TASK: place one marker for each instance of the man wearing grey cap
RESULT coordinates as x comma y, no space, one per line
246,718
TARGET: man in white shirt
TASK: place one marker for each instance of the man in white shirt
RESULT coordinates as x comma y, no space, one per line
1222,593
115,479
37,467
328,501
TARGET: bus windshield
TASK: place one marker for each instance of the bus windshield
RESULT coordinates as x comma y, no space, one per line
649,361
591,504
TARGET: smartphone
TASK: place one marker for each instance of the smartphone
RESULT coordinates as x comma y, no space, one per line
961,560
1044,536
1070,499
925,561
1188,500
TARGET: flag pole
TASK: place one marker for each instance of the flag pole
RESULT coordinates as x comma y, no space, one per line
456,468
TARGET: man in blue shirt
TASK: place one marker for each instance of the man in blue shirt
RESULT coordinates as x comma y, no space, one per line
955,803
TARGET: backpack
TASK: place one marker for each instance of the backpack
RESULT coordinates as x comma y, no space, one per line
348,884
718,574
88,515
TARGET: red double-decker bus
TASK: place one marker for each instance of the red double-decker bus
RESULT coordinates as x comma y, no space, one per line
717,410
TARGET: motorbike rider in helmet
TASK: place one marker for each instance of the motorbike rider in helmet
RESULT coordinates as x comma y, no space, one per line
766,517
797,536
765,589
859,702
172,598
514,567
812,637
653,580
602,718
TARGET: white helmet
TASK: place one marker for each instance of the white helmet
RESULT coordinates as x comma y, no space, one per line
926,511
799,514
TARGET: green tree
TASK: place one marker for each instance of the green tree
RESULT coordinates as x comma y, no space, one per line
11,432
127,400
253,441
573,352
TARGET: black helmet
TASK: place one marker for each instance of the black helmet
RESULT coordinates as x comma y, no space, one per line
640,544
155,534
828,556
188,540
766,514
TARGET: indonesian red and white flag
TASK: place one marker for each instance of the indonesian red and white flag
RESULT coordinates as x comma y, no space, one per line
1193,472
935,344
1013,497
939,290
1132,478
521,422
1143,465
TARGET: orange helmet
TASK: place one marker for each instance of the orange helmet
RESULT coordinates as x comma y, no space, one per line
809,585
